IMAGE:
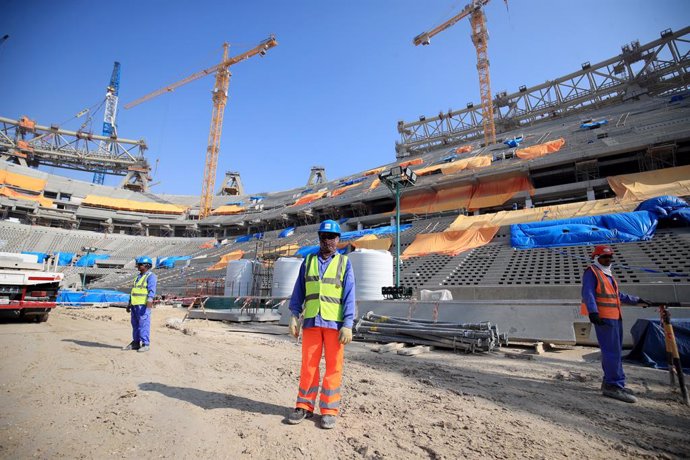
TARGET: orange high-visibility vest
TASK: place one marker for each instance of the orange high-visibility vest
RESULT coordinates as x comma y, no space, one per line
606,296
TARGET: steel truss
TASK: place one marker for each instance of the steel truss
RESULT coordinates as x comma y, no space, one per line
656,68
26,143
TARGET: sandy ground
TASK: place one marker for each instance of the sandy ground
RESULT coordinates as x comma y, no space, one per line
67,390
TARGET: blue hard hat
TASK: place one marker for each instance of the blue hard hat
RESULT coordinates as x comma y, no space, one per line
329,226
143,260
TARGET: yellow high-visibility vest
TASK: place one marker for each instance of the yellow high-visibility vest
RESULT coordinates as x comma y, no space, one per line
139,291
324,296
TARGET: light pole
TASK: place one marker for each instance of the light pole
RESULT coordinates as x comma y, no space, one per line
397,179
88,250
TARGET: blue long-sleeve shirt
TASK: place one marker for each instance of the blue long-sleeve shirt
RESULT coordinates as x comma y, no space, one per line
151,284
299,293
589,286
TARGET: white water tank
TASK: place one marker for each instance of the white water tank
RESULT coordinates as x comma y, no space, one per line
239,278
285,273
373,269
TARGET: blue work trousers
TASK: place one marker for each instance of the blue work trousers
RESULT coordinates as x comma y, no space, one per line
141,324
610,338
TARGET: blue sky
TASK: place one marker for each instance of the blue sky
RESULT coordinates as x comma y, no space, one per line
330,94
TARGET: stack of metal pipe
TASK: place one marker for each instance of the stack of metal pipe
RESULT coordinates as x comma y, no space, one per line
467,337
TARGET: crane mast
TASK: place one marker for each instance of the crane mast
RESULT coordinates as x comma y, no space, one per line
480,38
109,116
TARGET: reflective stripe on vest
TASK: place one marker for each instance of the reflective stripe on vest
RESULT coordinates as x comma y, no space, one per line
324,296
605,295
139,291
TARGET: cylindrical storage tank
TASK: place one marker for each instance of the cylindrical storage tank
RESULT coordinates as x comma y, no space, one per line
285,273
373,270
239,278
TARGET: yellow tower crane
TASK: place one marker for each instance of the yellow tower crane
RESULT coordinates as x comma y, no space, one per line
480,37
220,98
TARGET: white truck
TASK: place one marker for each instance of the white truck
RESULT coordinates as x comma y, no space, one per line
28,288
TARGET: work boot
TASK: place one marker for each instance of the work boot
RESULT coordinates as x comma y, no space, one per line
132,346
144,348
618,393
298,415
327,422
625,390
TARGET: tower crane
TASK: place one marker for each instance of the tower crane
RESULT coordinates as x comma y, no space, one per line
480,37
109,116
219,98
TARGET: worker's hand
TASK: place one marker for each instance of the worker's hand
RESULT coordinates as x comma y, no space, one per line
149,304
294,326
345,335
594,319
129,308
644,302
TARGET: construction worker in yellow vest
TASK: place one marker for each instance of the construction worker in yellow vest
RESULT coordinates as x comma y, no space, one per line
325,294
140,304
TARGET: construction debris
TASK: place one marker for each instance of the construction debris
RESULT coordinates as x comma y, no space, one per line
467,337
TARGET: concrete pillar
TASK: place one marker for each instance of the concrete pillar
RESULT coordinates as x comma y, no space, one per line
392,221
359,226
528,202
590,195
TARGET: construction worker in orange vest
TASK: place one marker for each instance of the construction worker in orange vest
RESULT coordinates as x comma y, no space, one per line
601,301
324,294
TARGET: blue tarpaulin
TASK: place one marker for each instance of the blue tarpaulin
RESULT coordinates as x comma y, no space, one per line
352,181
286,232
89,259
593,124
245,238
42,256
650,347
667,207
169,262
449,158
65,258
256,199
373,231
607,229
91,296
514,142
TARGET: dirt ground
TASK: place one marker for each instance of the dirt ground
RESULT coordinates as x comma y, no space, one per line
68,390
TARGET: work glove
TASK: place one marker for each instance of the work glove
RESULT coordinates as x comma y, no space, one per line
129,308
294,326
345,335
594,319
644,302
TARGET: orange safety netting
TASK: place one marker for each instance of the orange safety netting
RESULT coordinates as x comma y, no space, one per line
450,243
223,262
561,211
132,205
227,210
495,192
539,150
341,190
650,184
40,199
372,242
464,149
309,198
371,172
415,162
21,181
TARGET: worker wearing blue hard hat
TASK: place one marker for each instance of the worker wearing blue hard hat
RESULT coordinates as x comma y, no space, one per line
324,295
140,304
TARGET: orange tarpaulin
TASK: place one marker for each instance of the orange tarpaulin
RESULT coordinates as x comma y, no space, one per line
495,192
415,162
642,186
208,245
309,198
341,190
223,262
464,149
450,243
40,199
21,181
371,172
132,205
456,166
375,184
539,150
227,210
372,242
441,200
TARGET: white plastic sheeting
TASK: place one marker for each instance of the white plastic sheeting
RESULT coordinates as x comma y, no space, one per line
426,295
239,278
373,270
285,273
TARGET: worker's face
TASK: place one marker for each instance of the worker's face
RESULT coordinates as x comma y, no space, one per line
605,259
328,242
142,268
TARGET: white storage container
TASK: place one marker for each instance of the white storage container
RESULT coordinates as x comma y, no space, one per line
239,278
373,269
285,273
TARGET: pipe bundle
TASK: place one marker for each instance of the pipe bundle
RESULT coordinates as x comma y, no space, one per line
467,337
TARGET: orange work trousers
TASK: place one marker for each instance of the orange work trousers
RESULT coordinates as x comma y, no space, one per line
315,341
